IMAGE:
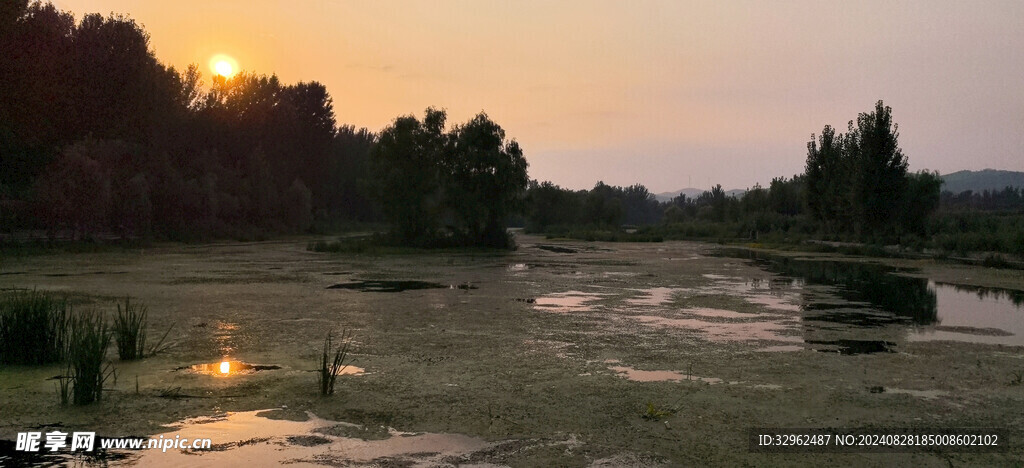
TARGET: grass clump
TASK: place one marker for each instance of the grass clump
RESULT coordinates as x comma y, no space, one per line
33,328
332,362
652,412
88,339
130,331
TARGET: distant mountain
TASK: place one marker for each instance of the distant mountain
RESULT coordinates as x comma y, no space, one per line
693,193
988,179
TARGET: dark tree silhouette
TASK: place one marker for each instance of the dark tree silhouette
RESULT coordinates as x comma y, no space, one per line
880,173
484,181
445,188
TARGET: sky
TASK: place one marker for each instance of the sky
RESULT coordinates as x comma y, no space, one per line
670,94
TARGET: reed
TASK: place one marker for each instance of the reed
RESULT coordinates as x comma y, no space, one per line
332,362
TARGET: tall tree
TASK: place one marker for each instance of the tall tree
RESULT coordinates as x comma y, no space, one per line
406,163
881,168
827,179
486,180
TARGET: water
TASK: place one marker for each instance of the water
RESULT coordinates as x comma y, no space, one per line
857,296
848,308
389,285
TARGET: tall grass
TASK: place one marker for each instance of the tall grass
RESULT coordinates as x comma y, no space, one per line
33,328
130,331
332,363
88,340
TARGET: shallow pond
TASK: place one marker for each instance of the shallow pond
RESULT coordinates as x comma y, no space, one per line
862,296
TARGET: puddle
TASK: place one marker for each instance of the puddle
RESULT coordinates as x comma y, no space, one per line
518,267
556,249
227,368
850,347
727,331
637,375
252,439
718,313
654,296
569,301
387,286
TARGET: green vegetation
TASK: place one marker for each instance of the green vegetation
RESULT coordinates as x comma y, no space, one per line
651,412
447,189
88,340
130,331
33,328
855,192
332,363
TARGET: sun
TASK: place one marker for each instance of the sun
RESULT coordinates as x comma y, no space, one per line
223,65
224,68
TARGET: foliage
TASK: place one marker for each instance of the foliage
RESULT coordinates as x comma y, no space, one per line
88,339
442,188
102,138
651,412
130,331
33,328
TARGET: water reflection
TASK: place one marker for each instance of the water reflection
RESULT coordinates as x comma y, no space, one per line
227,368
856,307
253,439
907,299
569,301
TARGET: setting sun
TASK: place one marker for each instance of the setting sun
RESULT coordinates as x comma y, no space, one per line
223,65
224,68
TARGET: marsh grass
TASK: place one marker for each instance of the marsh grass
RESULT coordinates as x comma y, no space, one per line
130,331
88,340
33,328
332,362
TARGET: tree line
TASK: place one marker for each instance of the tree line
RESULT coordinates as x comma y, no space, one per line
98,136
855,187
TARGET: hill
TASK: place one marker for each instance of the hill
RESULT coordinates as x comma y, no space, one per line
988,179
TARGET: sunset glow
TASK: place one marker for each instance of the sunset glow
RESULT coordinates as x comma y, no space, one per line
694,93
223,65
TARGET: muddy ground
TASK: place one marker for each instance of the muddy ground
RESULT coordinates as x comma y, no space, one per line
545,356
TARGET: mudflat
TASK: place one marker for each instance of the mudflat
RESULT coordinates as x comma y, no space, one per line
560,353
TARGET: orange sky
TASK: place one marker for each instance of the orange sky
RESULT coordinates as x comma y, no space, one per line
669,93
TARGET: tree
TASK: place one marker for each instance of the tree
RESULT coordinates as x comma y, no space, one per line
920,200
827,176
75,192
297,205
485,180
406,163
879,180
